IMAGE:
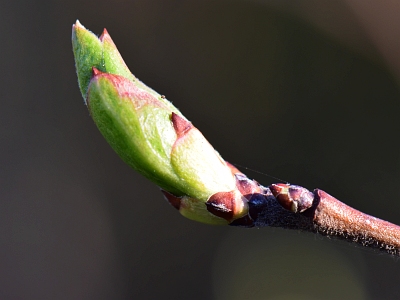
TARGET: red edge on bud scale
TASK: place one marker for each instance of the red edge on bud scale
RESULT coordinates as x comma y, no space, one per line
181,125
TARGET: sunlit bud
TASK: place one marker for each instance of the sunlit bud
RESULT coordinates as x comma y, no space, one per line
292,197
152,136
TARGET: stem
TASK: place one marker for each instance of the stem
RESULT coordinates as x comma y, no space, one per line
334,218
325,215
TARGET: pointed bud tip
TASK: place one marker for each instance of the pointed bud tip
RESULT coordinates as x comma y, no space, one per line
281,193
181,125
104,35
95,71
278,188
78,24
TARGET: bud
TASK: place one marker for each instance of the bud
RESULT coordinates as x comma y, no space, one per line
88,53
152,136
292,197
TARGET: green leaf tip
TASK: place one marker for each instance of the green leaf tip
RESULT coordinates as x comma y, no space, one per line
88,51
152,136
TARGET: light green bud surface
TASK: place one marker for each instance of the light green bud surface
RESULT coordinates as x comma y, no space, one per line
136,122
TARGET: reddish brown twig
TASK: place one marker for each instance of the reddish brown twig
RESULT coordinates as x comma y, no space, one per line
294,207
334,218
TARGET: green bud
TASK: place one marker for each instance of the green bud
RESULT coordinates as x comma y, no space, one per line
88,53
152,136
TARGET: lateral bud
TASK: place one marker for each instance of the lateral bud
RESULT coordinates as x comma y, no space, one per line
292,197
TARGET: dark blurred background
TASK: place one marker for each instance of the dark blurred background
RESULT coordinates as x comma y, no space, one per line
306,91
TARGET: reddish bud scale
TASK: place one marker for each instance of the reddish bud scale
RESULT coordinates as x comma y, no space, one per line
106,36
95,71
246,186
227,205
224,205
252,191
175,201
181,125
292,197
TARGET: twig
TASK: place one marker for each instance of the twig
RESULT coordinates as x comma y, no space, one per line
294,207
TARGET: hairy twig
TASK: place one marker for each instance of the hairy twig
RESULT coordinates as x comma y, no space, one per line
279,206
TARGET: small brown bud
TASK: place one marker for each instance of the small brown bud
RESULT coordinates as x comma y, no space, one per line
292,197
222,205
227,205
246,186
